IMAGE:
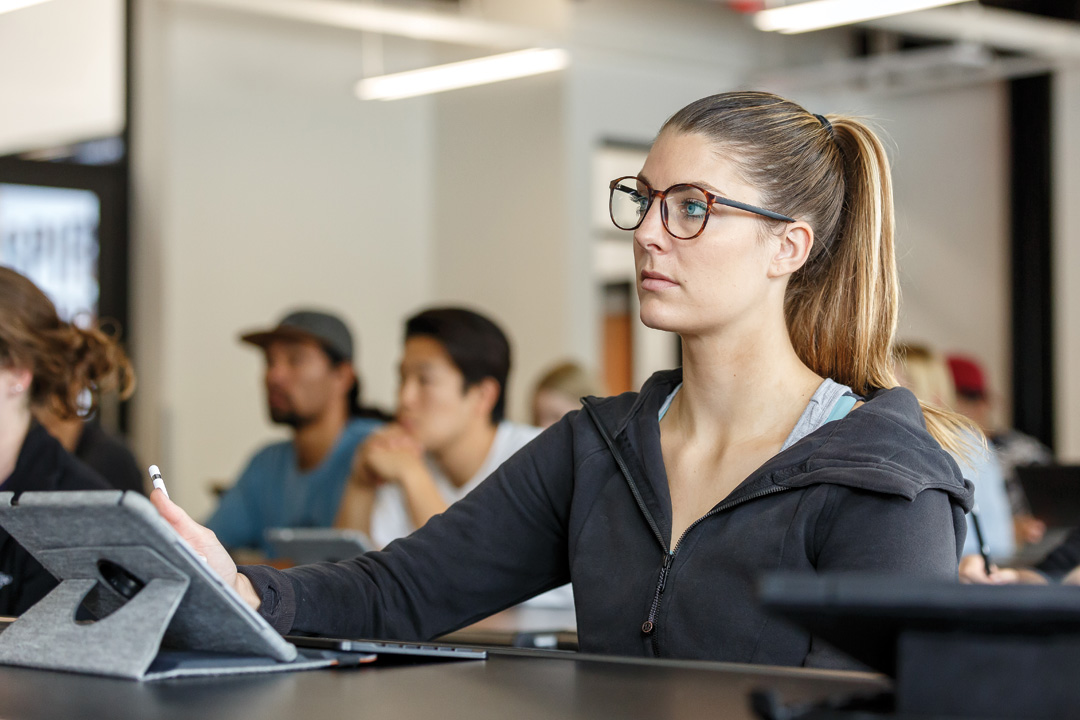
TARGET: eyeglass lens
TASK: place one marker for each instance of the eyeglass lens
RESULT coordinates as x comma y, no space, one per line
685,207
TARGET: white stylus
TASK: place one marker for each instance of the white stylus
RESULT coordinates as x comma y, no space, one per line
159,482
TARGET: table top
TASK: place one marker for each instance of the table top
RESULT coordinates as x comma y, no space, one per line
518,684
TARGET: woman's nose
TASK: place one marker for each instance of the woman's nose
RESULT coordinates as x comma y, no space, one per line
651,233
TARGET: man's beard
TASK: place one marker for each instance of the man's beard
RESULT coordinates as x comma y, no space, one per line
288,417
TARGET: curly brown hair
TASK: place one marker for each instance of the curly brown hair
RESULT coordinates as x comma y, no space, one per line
63,358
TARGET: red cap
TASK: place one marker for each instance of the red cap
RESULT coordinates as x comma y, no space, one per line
968,376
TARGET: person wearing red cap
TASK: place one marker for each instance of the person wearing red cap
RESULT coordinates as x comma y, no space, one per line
1012,447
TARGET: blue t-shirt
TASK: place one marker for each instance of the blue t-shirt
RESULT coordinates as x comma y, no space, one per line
273,492
992,501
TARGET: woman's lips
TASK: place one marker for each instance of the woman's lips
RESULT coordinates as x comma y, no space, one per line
656,281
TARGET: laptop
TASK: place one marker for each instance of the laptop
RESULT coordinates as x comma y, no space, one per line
1053,492
309,545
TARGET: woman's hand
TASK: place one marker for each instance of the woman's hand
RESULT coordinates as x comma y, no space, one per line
206,544
973,571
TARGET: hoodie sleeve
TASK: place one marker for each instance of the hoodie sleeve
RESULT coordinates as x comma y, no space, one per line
506,541
866,531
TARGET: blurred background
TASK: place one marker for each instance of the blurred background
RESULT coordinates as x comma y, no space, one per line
196,168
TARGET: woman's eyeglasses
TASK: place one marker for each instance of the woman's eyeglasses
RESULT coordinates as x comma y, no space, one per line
685,209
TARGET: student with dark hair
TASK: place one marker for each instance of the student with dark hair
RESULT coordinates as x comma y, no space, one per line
312,387
763,237
450,432
44,362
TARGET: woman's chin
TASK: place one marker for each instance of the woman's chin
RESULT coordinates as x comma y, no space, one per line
656,319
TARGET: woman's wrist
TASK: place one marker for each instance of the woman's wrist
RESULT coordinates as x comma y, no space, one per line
243,586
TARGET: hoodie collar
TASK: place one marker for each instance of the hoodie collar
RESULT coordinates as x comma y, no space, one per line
883,446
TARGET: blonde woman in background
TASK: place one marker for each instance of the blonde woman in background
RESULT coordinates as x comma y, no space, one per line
763,237
559,391
927,374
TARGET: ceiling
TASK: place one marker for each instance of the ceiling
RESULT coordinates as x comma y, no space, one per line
1058,9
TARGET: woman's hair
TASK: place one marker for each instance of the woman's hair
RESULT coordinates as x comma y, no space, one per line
833,173
569,379
64,359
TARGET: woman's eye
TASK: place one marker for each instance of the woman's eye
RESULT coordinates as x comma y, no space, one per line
694,208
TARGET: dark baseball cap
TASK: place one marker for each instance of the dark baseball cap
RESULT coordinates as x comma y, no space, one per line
326,329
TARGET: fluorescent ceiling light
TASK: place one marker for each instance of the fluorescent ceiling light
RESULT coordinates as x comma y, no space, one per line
369,16
9,5
480,71
819,14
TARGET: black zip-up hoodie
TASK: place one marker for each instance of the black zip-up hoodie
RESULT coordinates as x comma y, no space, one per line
43,464
588,501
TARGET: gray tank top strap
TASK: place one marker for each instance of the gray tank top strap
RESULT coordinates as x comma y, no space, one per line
831,401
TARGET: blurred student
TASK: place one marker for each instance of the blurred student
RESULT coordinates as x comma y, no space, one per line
559,391
926,374
312,388
90,443
44,362
1012,447
450,431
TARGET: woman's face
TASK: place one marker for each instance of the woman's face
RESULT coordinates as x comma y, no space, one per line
719,279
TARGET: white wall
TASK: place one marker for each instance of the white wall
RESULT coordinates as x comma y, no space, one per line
61,73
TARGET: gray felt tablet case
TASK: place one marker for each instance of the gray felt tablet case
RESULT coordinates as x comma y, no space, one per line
181,605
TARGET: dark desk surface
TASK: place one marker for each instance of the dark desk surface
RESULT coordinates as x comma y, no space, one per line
505,686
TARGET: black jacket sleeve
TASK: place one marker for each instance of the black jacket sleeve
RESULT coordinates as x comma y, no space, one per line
506,541
887,535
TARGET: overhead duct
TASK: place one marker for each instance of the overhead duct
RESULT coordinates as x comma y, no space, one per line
1001,29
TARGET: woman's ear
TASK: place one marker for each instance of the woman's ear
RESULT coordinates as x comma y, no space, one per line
15,380
793,250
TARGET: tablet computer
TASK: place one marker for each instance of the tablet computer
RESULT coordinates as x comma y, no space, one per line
308,545
118,559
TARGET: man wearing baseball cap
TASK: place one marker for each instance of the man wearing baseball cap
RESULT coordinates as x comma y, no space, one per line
311,386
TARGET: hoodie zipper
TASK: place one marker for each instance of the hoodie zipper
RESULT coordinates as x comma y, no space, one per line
648,627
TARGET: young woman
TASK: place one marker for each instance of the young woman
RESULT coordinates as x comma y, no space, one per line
559,390
763,237
44,362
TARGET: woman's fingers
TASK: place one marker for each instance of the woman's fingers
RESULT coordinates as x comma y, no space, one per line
202,540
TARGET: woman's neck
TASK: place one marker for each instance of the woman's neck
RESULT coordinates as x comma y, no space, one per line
739,385
14,425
